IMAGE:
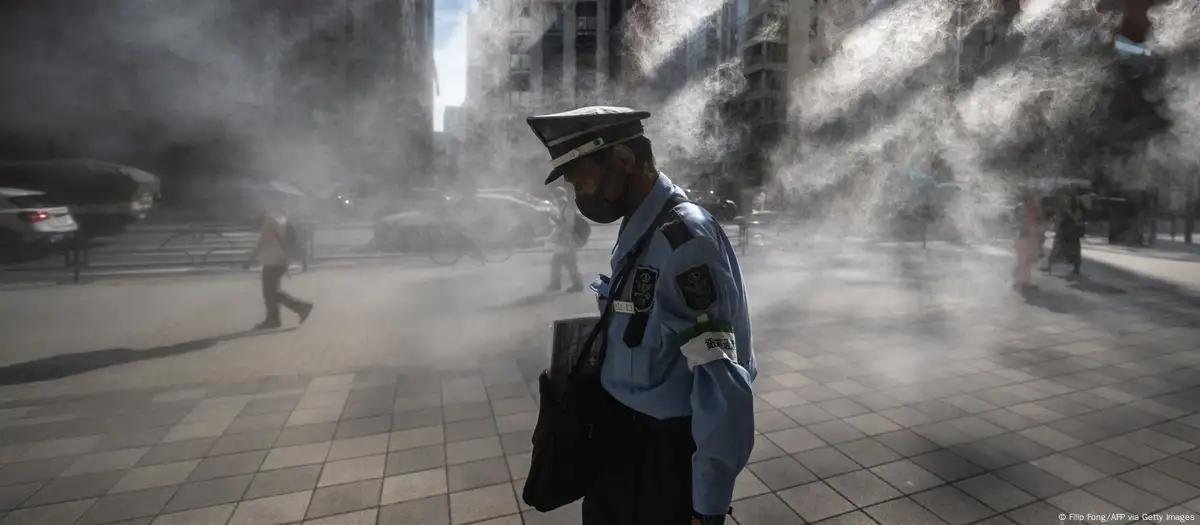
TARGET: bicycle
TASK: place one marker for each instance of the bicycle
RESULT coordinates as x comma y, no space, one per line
454,243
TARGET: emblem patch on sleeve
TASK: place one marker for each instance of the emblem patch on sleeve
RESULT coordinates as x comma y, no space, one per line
697,286
645,279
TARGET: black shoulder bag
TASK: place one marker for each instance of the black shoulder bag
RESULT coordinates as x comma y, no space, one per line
563,463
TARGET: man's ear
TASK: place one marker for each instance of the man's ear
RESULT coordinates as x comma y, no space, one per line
624,158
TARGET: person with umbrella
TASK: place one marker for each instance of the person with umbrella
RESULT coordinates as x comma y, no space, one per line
278,243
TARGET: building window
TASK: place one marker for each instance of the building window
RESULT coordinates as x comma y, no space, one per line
521,62
520,82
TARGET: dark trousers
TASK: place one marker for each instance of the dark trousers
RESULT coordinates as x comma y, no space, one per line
273,294
645,476
566,261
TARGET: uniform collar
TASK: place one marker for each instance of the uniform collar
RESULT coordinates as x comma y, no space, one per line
633,227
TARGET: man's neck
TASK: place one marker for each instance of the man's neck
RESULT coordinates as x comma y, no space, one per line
638,191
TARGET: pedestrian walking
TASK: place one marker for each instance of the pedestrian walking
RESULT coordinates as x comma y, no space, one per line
566,240
1069,231
278,243
1029,240
674,419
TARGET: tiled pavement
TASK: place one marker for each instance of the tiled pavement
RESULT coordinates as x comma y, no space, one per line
977,415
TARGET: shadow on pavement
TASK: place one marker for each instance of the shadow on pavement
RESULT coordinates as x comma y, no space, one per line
66,365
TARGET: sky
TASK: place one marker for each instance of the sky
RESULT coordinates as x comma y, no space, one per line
450,55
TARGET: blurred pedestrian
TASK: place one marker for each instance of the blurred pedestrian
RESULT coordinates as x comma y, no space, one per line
565,240
1029,218
278,242
1068,235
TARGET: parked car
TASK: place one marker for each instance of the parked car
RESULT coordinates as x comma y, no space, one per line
103,197
30,221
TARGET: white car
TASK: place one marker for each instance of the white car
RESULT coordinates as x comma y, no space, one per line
29,219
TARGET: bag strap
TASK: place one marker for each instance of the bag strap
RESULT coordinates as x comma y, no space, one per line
626,266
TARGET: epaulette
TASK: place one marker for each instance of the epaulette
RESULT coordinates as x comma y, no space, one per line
674,228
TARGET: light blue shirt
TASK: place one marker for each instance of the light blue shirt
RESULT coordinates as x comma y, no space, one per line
694,357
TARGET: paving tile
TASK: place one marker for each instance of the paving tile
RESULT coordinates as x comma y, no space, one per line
306,435
427,417
358,447
826,462
524,421
1034,480
256,423
795,440
244,442
1160,485
807,414
843,408
566,515
1102,459
946,465
13,495
763,449
781,399
868,452
229,465
1080,502
1126,496
907,443
197,430
943,434
952,505
471,429
902,511
773,420
478,474
1161,441
132,438
465,411
482,503
312,416
75,487
275,510
873,424
414,460
36,470
473,450
518,465
431,511
106,461
362,517
1051,438
1008,419
416,438
862,488
284,481
513,405
272,405
215,515
781,473
747,485
353,428
176,451
766,509
340,499
414,485
1180,469
906,416
58,514
294,456
209,493
54,448
155,476
815,501
1068,469
127,505
835,431
994,492
976,427
1037,513
906,476
350,470
1133,450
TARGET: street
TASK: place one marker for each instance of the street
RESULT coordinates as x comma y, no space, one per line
896,385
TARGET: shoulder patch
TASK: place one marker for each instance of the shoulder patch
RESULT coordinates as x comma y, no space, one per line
697,286
645,279
675,230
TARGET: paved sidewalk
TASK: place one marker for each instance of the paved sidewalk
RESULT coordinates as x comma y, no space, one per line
997,410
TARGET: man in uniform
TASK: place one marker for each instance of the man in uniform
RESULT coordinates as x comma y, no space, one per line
563,239
679,420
